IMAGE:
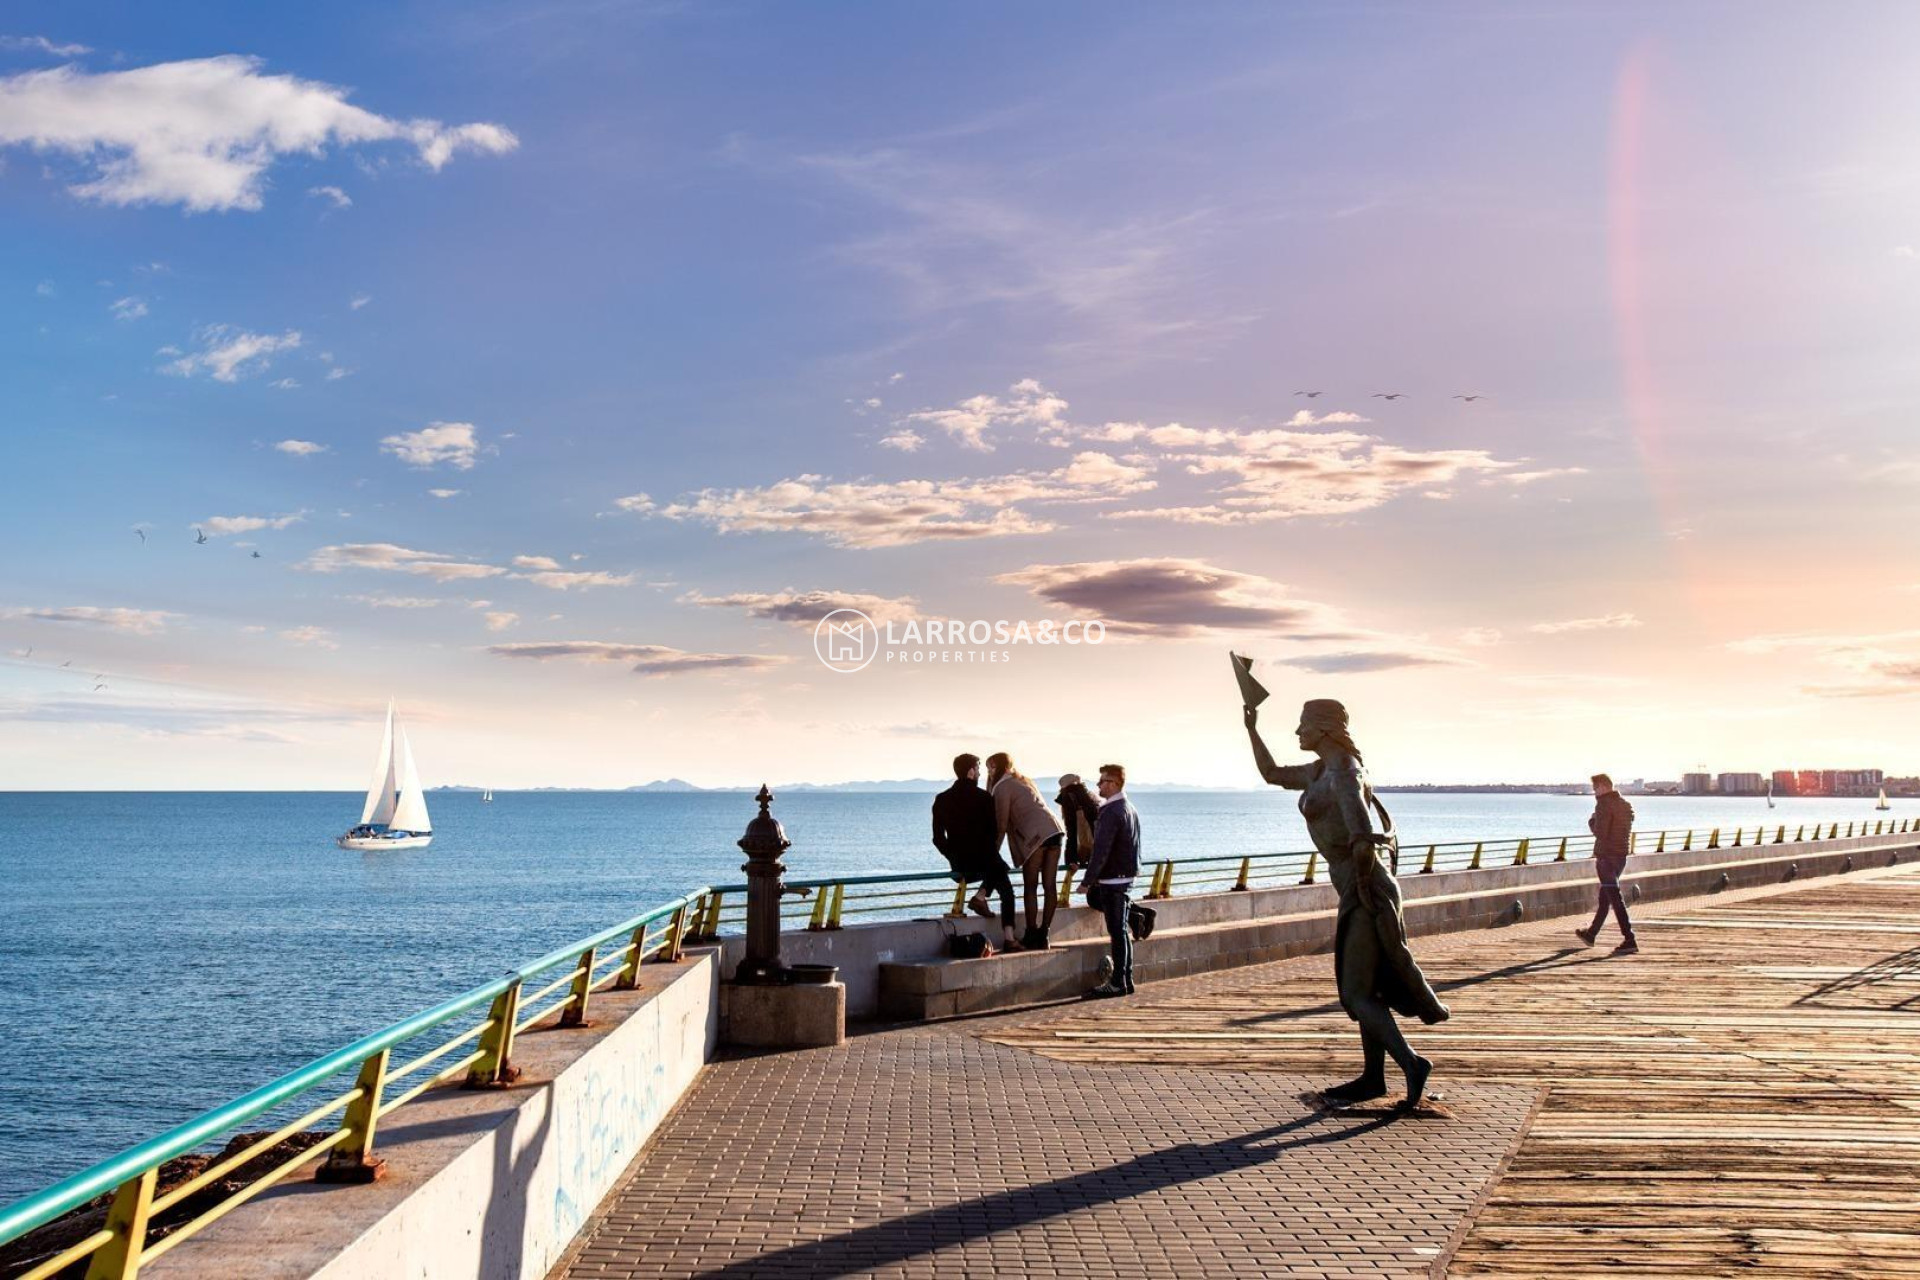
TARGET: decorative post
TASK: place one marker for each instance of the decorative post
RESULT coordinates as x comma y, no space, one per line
763,844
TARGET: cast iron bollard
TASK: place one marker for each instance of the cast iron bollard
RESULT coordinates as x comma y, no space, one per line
763,844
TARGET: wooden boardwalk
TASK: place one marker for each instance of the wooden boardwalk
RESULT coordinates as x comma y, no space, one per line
1742,1097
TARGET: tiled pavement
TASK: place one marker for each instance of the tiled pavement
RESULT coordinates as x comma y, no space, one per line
1167,1134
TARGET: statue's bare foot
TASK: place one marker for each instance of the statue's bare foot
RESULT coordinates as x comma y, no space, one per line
1359,1089
1417,1081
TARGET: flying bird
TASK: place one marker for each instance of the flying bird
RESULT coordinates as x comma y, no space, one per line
67,663
1389,395
198,536
1309,394
143,535
256,555
97,688
1470,399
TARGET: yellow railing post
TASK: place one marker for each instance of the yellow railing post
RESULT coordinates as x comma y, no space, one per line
1560,855
1427,869
1660,846
1713,841
711,928
1066,884
1688,843
119,1258
574,1012
1246,870
1833,832
1800,834
959,899
1520,854
495,1067
353,1160
1780,836
630,971
677,934
818,920
839,900
1475,864
1313,863
1849,831
1737,833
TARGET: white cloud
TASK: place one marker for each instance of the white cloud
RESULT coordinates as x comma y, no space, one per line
398,602
1878,665
636,503
500,621
895,513
1607,622
138,621
227,526
334,375
129,308
387,557
1545,473
1028,404
203,133
903,440
360,301
284,384
568,580
805,608
46,289
535,562
1480,637
647,659
300,448
40,44
316,637
1905,251
229,354
338,198
446,493
453,443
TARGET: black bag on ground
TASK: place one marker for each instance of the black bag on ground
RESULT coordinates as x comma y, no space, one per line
969,946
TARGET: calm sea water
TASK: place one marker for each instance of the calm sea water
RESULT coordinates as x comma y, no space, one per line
164,952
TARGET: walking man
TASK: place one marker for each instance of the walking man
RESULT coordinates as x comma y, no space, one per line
964,830
1612,827
1114,863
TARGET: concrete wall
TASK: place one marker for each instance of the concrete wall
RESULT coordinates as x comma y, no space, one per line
487,1184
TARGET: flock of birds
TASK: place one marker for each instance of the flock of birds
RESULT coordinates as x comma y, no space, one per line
99,677
1392,395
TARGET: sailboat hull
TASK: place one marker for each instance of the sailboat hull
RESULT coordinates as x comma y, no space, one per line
383,843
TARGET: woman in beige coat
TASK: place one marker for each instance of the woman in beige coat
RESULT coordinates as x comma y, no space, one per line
1034,837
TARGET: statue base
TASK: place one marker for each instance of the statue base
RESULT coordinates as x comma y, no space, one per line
795,1016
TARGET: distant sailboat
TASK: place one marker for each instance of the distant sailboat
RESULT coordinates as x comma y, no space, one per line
395,816
486,796
1769,793
1883,800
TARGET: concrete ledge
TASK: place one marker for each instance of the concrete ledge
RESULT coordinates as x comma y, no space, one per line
795,1016
488,1184
1302,921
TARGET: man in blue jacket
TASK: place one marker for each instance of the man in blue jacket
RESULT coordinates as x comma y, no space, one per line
1114,863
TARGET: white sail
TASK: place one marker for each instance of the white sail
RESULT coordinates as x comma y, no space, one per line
379,807
1883,800
410,814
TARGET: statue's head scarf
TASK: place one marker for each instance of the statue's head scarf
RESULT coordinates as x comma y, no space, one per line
1324,713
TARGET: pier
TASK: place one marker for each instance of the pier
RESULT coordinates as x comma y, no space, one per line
1739,1096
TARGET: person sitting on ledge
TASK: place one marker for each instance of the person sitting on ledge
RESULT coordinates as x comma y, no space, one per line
964,831
1034,837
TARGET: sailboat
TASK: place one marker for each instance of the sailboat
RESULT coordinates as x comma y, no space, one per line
395,816
1883,800
486,795
1769,793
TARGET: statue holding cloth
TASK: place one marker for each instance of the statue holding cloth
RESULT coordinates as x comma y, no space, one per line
1376,974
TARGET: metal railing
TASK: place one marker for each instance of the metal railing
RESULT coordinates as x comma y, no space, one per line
587,966
120,1247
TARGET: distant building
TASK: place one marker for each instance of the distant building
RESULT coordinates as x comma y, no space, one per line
1808,783
1785,783
1742,784
1696,784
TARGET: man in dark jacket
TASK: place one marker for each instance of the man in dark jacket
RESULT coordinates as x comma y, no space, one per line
1612,827
1111,867
964,831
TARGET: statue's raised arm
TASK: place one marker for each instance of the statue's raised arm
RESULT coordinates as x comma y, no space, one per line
1294,777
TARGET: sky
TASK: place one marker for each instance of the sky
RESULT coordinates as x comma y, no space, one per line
553,368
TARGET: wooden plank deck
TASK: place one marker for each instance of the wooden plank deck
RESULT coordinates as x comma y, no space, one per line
1742,1097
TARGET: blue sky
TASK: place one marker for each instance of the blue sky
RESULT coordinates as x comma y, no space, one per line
737,259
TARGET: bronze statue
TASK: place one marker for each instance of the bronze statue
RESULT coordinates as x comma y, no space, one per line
1376,974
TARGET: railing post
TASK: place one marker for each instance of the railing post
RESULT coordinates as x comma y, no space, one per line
574,1012
1066,884
959,899
1313,864
353,1161
1427,869
839,901
1475,864
1801,834
637,951
677,936
1689,841
1246,870
1713,841
1737,833
495,1069
119,1258
1561,855
818,920
1520,853
1780,836
1660,845
710,929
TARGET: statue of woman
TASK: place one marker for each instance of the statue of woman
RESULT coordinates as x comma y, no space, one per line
1376,974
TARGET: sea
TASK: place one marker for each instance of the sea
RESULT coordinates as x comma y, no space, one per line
161,953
